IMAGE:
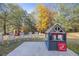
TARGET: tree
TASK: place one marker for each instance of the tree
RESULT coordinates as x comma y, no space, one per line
70,13
4,15
63,21
12,16
21,19
16,16
45,17
31,23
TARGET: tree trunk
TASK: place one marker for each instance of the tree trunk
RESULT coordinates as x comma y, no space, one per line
4,27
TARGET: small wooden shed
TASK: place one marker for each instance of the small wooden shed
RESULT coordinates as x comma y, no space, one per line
56,38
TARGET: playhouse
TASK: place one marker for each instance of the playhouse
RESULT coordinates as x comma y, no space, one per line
56,38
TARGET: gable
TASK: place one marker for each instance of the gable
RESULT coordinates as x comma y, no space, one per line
56,28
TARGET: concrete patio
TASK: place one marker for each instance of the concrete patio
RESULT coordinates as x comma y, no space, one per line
38,49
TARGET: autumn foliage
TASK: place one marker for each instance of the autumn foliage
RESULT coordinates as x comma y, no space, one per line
45,17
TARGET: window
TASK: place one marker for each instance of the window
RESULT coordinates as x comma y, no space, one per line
54,37
60,37
57,37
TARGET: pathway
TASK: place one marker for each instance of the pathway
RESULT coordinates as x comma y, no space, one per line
38,49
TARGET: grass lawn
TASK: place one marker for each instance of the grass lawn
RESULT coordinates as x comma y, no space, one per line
73,44
6,48
73,41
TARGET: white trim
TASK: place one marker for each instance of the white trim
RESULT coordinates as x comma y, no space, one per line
53,28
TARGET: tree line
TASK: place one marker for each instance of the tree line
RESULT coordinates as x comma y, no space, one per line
13,17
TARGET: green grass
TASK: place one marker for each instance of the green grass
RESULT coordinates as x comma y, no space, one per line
73,44
6,48
11,45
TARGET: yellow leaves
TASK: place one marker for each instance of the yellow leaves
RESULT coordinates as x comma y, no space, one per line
41,26
44,17
38,26
44,25
41,8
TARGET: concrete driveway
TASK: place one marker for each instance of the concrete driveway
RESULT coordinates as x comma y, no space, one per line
38,49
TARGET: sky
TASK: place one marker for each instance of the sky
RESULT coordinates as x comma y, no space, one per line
29,7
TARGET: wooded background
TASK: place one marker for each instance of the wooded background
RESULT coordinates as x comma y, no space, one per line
15,18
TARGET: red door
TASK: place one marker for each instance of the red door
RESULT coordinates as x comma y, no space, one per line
62,46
